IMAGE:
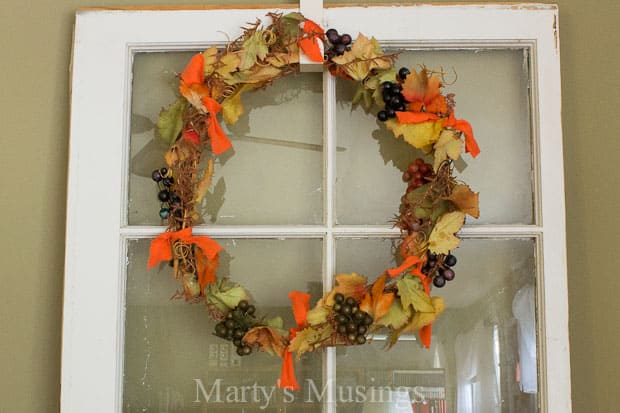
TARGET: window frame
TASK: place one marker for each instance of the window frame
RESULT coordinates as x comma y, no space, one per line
105,42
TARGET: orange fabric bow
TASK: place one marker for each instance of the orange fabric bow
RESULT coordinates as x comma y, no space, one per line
413,261
161,248
471,146
193,74
310,45
301,305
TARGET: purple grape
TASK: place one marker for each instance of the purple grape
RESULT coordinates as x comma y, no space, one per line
439,281
448,274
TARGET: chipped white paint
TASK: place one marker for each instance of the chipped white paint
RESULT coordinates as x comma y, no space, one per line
96,225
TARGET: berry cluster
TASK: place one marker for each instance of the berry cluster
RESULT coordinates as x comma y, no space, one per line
417,174
338,44
440,268
170,201
236,324
351,322
393,96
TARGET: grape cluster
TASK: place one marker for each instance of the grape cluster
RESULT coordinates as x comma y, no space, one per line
393,96
338,44
440,268
236,324
417,174
351,322
170,201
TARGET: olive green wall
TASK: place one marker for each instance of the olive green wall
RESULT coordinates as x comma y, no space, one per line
34,111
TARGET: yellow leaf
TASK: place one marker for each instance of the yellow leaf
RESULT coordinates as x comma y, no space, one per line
232,108
396,317
210,57
267,338
448,145
351,285
317,315
465,199
310,338
421,319
442,238
417,135
228,64
204,184
411,292
283,59
364,56
258,74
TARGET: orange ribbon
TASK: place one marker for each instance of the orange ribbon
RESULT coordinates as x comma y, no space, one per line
471,146
413,261
194,74
310,44
301,305
161,247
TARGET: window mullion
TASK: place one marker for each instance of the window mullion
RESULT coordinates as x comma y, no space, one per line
329,263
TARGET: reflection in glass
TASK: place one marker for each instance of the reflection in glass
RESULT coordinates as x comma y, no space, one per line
170,351
483,352
492,92
275,174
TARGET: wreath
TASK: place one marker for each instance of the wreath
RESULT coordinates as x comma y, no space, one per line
409,102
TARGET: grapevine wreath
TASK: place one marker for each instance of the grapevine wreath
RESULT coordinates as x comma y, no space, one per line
409,102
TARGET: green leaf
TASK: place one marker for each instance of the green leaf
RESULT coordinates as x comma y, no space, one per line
232,108
170,122
424,318
254,49
412,294
317,315
362,96
226,295
396,317
275,322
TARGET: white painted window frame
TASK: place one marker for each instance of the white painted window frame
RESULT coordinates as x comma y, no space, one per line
97,230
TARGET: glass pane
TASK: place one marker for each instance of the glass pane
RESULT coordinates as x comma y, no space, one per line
275,175
170,351
492,93
483,352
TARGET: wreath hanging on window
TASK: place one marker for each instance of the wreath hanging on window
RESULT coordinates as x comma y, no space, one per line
409,102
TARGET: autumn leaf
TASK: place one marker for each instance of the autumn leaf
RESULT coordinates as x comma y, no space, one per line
351,285
228,64
281,59
465,199
417,135
256,75
448,145
204,184
422,88
195,94
254,49
206,268
396,317
442,238
317,315
364,56
232,108
170,122
267,338
225,295
310,338
411,292
423,318
376,302
362,96
210,58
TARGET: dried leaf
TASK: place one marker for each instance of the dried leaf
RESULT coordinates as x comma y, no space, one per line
442,238
417,135
411,292
194,95
421,87
310,338
466,200
284,59
210,58
317,315
204,184
267,338
170,122
448,145
228,65
225,295
256,75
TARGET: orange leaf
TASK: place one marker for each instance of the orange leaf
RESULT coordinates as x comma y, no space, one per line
376,302
194,71
437,105
267,338
206,268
